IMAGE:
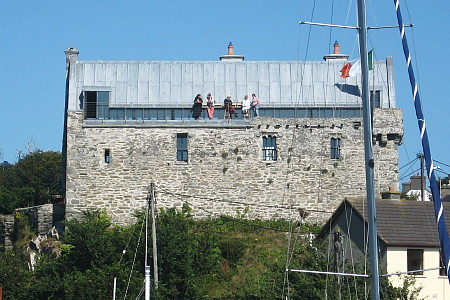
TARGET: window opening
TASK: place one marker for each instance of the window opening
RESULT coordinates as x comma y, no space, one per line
269,148
375,99
107,156
415,260
182,149
335,148
96,105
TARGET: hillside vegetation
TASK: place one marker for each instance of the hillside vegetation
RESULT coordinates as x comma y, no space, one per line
224,258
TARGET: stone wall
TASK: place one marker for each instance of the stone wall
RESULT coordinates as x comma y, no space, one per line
6,231
225,173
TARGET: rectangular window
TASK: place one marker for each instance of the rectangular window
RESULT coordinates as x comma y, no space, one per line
107,156
182,147
415,260
335,148
375,99
269,148
96,104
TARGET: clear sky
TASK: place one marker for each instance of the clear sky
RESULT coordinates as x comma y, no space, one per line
34,35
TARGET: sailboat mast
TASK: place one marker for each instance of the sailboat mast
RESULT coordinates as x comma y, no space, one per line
369,162
146,266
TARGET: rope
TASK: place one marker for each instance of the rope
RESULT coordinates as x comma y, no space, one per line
134,260
438,207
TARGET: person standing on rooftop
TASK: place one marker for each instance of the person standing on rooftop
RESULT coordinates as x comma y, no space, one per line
255,105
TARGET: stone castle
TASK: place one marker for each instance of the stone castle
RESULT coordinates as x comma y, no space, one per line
129,125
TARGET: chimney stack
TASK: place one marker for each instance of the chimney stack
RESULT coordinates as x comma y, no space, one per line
230,49
391,194
336,55
230,56
336,48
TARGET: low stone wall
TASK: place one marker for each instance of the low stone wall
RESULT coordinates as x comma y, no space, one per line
42,218
6,230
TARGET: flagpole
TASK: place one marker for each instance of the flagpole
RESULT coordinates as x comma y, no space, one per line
372,67
369,162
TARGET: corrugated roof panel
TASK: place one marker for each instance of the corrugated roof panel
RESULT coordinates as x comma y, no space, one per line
275,94
187,88
100,75
252,72
89,75
241,74
122,72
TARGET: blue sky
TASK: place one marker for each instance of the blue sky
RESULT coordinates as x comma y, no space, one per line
34,35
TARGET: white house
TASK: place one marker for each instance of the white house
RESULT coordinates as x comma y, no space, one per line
407,240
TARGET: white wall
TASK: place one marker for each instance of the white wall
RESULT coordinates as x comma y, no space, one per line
434,286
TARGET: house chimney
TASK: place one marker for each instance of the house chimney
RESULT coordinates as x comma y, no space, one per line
445,193
230,49
391,194
71,53
230,56
336,55
336,48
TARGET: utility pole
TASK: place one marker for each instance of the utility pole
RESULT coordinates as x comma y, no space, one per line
155,252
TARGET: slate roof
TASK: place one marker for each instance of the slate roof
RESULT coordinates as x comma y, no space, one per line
400,223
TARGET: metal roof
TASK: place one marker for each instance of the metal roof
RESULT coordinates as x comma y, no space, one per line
276,83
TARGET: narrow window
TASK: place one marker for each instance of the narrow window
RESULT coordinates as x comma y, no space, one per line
182,149
269,148
107,156
335,148
415,260
96,104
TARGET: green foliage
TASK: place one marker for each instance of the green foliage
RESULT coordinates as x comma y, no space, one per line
406,291
91,241
35,179
14,275
15,197
23,231
223,258
189,257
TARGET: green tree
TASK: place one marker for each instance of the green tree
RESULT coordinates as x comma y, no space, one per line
15,278
35,179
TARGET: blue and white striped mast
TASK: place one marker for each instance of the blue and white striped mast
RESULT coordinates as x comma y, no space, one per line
438,208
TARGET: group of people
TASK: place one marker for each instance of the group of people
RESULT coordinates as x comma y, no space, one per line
247,106
252,105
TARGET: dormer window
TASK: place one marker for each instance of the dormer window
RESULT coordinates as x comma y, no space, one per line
96,104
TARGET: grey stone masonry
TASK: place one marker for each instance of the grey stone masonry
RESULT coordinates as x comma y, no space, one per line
225,172
44,217
6,230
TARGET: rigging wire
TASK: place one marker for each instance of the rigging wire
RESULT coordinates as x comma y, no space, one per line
412,161
409,174
349,221
286,287
134,260
441,163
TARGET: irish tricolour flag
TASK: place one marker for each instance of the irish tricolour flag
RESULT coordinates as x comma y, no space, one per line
352,68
